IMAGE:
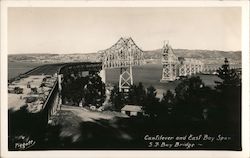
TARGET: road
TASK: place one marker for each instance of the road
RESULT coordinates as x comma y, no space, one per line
90,129
49,69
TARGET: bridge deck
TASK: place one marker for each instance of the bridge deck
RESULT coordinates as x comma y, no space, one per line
34,78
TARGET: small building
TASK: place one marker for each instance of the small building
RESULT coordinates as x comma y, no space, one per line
132,110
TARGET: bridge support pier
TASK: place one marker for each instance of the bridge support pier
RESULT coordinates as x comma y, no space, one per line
168,72
125,79
169,62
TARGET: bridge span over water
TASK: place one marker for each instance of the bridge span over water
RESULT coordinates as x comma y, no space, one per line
123,55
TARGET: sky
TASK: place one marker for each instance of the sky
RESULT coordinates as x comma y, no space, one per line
88,30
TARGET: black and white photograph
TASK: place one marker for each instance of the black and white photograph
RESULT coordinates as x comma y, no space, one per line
124,78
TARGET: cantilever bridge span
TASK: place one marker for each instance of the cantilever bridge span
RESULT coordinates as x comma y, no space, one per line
124,54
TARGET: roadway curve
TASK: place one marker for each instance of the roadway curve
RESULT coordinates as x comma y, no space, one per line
48,69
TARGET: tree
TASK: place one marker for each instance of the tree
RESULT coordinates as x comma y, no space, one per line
140,94
72,90
95,90
228,95
117,98
136,95
230,78
132,95
192,97
151,102
90,89
168,100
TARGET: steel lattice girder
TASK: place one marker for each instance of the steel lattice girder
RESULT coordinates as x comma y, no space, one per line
122,54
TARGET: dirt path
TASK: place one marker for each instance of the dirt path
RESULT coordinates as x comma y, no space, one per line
92,116
84,126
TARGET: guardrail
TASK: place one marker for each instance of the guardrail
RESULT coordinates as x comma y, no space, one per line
51,104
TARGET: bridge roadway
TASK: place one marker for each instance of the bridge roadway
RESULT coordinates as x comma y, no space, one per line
48,69
52,101
51,69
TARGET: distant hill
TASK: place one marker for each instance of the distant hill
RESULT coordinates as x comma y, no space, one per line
54,58
196,54
207,56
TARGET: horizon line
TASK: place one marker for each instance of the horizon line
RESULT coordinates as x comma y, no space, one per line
143,51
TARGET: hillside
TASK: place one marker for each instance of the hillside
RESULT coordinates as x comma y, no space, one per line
207,56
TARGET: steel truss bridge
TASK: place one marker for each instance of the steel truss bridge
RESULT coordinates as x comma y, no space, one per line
175,67
125,54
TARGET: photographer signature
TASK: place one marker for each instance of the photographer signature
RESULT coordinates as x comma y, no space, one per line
23,143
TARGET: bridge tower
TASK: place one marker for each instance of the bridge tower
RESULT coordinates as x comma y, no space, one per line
124,54
125,78
169,62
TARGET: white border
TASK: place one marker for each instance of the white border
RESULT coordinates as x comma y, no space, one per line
139,154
